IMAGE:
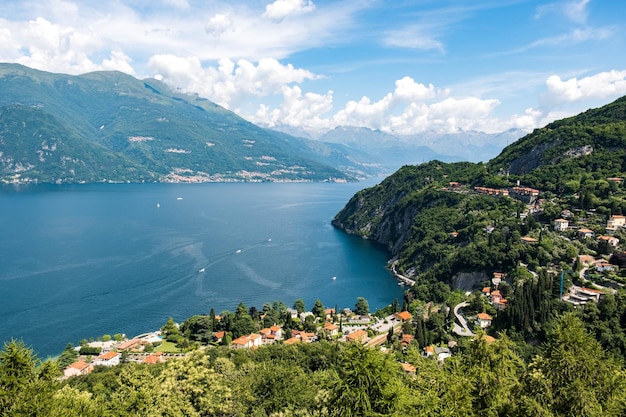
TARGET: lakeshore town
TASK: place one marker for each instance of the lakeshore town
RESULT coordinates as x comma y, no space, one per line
391,324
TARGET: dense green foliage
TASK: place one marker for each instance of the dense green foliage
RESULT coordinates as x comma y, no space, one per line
108,126
568,375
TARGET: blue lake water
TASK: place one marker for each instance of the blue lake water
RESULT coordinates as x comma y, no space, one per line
79,261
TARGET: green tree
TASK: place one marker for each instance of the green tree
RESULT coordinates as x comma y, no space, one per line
368,383
26,388
361,307
318,309
574,376
298,305
170,328
67,357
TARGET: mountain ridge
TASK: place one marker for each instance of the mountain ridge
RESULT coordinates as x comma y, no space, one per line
167,135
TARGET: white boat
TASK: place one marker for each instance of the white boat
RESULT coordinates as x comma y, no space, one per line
238,251
334,278
179,198
158,205
202,270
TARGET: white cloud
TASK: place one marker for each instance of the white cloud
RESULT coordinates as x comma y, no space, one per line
218,24
575,10
413,38
228,84
599,86
280,9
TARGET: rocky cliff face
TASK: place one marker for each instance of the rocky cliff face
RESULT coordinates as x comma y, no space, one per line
385,223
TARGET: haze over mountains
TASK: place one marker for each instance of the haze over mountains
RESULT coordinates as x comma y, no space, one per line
109,126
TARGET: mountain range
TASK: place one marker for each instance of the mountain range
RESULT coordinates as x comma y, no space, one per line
112,127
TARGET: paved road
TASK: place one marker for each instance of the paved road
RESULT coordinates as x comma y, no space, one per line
461,330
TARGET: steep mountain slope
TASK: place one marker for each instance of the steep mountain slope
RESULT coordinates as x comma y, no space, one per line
437,230
171,136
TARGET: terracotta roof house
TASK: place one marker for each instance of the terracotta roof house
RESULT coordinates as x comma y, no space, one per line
429,350
407,339
77,368
331,328
611,240
486,291
218,336
404,315
132,344
108,359
292,341
484,320
156,357
357,336
497,300
248,341
586,259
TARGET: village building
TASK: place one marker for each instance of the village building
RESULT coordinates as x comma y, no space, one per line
271,334
492,191
483,320
442,353
404,316
561,225
156,357
407,339
218,336
585,233
332,329
132,345
604,266
292,340
305,337
486,291
581,295
248,341
357,336
107,359
586,260
615,222
77,368
529,240
497,300
611,240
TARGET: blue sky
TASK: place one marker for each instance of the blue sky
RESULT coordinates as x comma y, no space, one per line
404,67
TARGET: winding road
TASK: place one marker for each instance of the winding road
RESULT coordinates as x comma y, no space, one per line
461,330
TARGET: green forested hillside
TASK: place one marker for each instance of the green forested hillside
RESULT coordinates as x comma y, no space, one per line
453,226
571,375
162,134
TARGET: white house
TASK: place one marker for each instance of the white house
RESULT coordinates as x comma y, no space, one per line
248,341
442,353
483,320
611,240
108,359
561,225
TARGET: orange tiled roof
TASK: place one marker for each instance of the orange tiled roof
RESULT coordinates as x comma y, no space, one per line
484,316
404,315
80,365
357,335
108,356
330,326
